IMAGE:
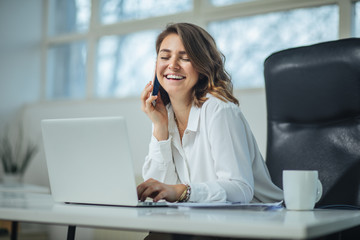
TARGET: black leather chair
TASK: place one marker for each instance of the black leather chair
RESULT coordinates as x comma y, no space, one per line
313,104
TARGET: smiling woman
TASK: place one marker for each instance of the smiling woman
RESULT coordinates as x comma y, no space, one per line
202,149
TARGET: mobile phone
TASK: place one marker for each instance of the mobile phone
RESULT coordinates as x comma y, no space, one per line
155,89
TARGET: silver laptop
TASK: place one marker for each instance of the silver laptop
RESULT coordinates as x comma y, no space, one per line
89,161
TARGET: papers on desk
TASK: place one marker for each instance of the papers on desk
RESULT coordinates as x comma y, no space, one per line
235,205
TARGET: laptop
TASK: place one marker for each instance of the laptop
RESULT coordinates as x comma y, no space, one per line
89,161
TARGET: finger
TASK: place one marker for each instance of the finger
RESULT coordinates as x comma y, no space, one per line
145,95
148,188
150,191
147,90
159,99
161,195
140,189
148,103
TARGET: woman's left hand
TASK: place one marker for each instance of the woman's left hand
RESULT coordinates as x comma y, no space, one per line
157,191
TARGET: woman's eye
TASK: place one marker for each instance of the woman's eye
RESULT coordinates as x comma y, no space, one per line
165,58
186,59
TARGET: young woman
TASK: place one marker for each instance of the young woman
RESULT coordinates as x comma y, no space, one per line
202,149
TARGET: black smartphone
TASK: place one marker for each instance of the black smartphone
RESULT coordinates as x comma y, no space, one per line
155,89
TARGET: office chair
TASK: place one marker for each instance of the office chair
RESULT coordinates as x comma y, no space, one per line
313,116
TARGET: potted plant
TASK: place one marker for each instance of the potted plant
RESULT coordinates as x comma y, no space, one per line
15,158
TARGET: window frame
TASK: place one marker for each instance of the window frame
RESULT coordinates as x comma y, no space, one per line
202,13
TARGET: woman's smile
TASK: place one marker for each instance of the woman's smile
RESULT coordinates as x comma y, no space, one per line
174,77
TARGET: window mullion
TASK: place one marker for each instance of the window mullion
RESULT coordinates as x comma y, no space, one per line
91,50
199,9
44,50
345,17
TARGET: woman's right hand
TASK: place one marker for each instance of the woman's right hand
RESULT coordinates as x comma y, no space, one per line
157,114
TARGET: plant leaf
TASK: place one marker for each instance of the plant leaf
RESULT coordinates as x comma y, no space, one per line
18,147
7,156
30,152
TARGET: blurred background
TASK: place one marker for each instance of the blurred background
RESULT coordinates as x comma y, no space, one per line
87,58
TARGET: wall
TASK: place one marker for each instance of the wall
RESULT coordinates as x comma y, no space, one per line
20,56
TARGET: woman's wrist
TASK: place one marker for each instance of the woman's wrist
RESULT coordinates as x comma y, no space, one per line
185,194
161,133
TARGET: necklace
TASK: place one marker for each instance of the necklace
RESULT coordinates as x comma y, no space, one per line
181,130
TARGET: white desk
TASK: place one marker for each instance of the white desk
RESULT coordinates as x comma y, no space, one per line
282,224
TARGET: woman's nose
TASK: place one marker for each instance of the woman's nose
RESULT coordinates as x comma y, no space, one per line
174,65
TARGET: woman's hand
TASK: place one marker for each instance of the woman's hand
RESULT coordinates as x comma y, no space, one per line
157,191
158,114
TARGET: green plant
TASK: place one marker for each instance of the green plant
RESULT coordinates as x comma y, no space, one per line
16,158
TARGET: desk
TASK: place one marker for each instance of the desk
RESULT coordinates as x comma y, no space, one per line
281,224
20,188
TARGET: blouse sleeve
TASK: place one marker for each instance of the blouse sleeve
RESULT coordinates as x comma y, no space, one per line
232,149
159,162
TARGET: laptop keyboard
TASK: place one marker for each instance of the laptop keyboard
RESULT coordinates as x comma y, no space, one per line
152,204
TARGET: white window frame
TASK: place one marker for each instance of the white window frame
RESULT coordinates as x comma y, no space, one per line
202,13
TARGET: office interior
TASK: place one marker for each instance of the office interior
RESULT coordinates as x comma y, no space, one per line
28,92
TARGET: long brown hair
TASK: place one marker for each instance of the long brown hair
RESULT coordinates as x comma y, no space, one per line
206,59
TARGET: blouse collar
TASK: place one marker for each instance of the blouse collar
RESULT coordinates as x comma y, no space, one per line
193,121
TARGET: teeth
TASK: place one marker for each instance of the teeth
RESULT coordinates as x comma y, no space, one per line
175,77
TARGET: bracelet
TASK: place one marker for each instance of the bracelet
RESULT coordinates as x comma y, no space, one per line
185,196
181,198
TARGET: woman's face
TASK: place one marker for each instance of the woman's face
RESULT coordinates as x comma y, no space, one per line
174,69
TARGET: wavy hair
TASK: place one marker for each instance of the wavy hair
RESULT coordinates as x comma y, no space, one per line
201,48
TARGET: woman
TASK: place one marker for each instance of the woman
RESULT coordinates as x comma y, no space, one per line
202,149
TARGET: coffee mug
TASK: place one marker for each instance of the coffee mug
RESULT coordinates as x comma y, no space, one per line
302,189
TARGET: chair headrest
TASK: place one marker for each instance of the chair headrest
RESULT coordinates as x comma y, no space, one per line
314,83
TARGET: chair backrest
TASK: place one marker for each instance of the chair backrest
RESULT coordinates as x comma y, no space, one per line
313,107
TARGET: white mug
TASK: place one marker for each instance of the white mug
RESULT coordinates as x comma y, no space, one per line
302,189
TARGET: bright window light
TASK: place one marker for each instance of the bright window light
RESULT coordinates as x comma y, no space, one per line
68,16
125,64
246,42
66,76
112,11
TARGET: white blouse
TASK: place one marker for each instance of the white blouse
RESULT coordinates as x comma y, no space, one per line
219,157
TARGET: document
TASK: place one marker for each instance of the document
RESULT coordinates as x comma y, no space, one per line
236,205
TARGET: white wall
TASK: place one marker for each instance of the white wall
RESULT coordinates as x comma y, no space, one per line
20,56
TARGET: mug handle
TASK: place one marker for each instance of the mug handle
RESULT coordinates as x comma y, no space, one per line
319,191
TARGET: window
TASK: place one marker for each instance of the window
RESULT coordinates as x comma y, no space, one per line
68,16
125,63
120,10
246,42
227,2
106,48
356,24
66,71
